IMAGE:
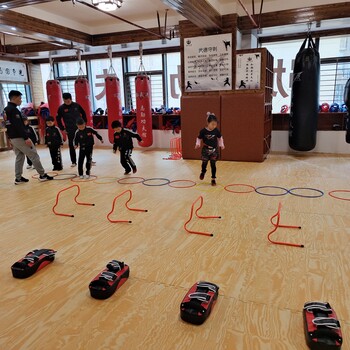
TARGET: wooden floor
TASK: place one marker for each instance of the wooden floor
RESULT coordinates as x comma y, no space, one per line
262,286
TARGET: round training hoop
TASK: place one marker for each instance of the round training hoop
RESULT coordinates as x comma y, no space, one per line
257,190
331,193
50,173
166,181
106,180
123,181
320,193
191,183
251,188
77,179
65,176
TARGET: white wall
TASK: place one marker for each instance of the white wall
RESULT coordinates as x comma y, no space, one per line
327,142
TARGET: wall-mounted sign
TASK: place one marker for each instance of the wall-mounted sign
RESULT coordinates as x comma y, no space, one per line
13,72
208,63
248,71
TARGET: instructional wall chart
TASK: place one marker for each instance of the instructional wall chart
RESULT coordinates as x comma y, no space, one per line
248,71
208,63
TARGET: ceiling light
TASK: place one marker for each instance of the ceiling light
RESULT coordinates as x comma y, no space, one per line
107,5
4,6
13,28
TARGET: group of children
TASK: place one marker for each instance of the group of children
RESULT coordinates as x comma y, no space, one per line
210,136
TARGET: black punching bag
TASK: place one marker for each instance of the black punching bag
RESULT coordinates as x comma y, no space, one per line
347,102
305,96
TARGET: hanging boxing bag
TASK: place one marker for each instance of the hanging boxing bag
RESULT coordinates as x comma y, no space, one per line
114,104
305,96
82,96
144,109
347,103
54,96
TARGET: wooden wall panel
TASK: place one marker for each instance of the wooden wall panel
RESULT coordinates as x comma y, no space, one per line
193,118
242,128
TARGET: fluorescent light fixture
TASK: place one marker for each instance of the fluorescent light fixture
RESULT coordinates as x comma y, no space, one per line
4,6
13,28
107,5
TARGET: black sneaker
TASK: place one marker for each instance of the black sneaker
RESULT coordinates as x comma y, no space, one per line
127,173
201,176
45,177
213,182
22,180
134,170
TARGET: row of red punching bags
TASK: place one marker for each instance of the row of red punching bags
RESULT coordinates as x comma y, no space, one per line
114,105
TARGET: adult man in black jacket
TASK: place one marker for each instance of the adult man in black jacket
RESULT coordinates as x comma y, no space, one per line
21,143
70,112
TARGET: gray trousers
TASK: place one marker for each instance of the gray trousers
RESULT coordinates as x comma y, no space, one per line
22,150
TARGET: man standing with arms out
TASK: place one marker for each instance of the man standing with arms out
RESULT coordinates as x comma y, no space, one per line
21,143
70,112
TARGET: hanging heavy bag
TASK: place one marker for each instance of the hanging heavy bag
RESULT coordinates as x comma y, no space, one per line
347,103
305,96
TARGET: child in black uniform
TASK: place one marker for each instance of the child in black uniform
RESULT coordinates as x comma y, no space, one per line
54,140
123,142
212,139
32,135
84,137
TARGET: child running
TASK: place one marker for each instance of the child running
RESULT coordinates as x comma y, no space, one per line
84,137
54,140
212,139
123,142
32,135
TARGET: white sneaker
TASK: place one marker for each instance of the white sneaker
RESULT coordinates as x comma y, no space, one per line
29,167
87,176
81,177
73,165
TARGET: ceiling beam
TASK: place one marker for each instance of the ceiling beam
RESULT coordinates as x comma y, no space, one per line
104,55
30,48
12,4
302,35
199,12
126,37
300,15
31,25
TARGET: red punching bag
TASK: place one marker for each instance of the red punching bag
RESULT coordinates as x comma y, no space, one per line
144,109
54,96
114,104
82,96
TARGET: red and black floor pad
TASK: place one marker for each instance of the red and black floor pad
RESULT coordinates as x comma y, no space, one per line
32,262
321,325
198,302
109,280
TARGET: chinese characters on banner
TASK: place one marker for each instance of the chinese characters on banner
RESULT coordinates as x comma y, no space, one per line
13,72
144,131
208,63
248,71
142,98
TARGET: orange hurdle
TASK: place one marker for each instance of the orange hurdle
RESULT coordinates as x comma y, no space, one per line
175,149
277,225
75,200
200,198
126,205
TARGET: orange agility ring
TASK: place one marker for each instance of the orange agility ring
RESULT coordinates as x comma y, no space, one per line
250,188
278,225
200,199
126,205
331,193
190,183
77,179
135,180
75,200
106,180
